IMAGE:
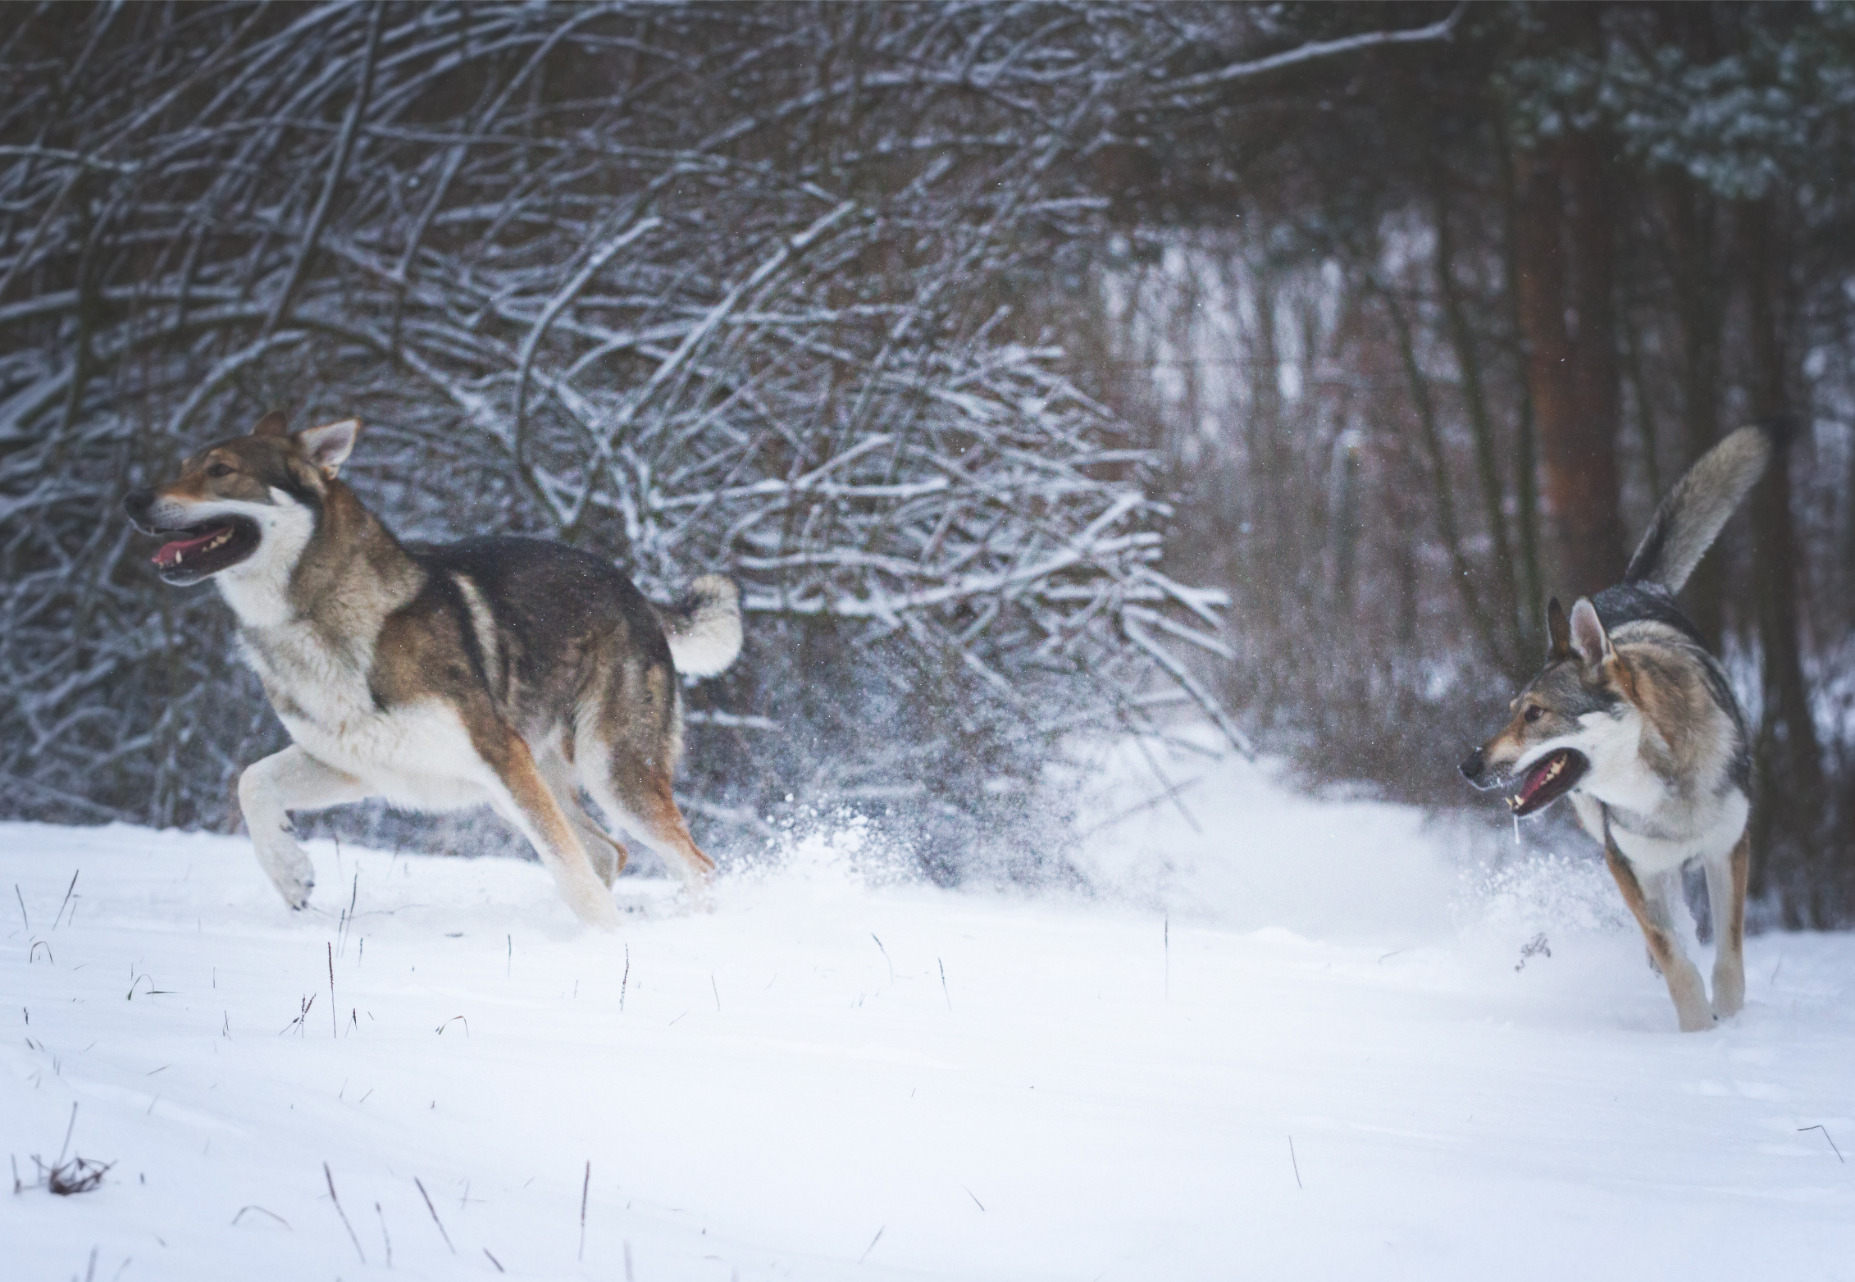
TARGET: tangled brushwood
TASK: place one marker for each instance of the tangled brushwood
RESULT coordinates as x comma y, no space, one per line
696,288
79,1175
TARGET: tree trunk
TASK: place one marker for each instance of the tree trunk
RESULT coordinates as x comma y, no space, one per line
1699,314
1573,378
1596,387
1481,424
1430,432
1789,758
1526,458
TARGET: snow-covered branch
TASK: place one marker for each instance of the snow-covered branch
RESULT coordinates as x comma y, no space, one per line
625,275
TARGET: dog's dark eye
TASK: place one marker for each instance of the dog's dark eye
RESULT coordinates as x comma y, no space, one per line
218,470
1535,712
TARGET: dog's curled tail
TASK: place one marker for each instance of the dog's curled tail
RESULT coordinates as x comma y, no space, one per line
703,626
1690,518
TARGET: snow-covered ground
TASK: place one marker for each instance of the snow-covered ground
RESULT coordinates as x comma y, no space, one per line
1285,1039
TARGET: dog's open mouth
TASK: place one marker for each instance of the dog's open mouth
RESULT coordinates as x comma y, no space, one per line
206,549
1550,778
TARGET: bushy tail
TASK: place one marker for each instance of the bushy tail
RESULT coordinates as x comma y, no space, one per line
704,627
1690,518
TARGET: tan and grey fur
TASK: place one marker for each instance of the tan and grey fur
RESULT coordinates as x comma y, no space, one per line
502,670
1633,717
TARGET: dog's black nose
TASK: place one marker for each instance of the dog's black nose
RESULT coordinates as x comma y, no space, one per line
1473,765
137,502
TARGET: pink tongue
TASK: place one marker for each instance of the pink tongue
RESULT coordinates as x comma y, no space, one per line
171,553
1536,779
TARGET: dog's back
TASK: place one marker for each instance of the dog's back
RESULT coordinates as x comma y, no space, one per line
546,621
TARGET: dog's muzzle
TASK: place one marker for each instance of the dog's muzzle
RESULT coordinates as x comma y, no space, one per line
139,504
196,550
1474,766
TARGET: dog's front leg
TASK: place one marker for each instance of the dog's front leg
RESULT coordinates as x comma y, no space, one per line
1684,984
1726,899
267,791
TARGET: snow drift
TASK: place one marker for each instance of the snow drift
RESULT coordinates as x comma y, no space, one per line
1288,1039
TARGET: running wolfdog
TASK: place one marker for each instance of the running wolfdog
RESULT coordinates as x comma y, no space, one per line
1634,719
502,670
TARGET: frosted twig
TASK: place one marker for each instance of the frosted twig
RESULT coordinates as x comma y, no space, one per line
1826,1135
385,1237
434,1211
586,1188
261,1211
67,898
333,1197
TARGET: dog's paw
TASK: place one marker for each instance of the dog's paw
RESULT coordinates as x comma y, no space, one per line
1729,995
295,890
594,906
289,870
604,918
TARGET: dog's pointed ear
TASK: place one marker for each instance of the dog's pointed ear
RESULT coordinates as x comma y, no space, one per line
272,424
1589,639
326,448
1560,632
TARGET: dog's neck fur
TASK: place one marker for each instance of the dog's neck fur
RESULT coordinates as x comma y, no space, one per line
311,564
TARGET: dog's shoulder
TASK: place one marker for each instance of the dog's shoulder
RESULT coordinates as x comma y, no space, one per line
1677,680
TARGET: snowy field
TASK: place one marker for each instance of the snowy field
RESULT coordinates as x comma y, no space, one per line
1285,1039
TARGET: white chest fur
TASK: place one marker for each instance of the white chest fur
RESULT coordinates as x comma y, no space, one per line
1656,827
416,755
1707,832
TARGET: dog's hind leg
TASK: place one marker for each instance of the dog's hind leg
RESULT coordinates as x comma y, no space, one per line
267,791
522,796
608,855
1684,983
1726,897
640,795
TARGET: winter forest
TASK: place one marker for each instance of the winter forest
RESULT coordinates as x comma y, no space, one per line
1217,382
1038,369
